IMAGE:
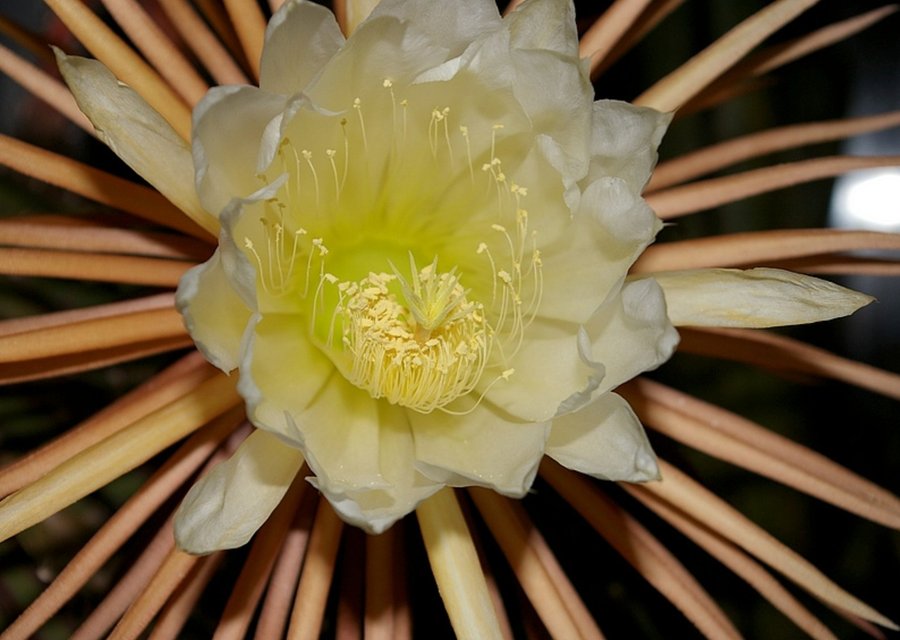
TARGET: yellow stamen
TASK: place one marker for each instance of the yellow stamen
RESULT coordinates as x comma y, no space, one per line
420,355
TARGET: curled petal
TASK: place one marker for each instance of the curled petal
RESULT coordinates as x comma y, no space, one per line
226,507
624,141
604,439
630,333
213,312
753,298
301,37
226,164
621,211
136,133
547,26
543,42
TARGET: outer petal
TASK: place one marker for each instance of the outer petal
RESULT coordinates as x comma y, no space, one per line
604,439
281,372
230,126
621,211
562,116
624,141
452,25
362,453
754,298
631,333
240,223
225,508
136,133
300,39
582,267
564,113
547,25
382,48
483,447
213,312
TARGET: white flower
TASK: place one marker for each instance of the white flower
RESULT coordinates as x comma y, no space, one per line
421,272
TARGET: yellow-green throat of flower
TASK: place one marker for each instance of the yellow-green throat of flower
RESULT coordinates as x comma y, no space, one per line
419,336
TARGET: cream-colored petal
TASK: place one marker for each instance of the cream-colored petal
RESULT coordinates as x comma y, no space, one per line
483,447
621,211
281,372
237,267
547,370
564,115
301,37
547,25
213,312
136,133
226,507
631,333
604,439
231,124
340,433
382,48
583,267
451,25
753,298
559,120
508,59
624,141
362,453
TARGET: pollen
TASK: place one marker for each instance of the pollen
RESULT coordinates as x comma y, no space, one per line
421,346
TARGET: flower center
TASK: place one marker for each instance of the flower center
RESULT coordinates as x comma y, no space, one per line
347,199
422,353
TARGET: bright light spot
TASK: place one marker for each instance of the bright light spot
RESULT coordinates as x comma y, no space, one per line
867,200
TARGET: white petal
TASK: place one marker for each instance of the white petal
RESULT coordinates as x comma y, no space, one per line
229,124
482,448
362,453
451,25
339,432
582,267
281,372
548,369
488,59
753,298
631,333
213,312
135,132
548,25
564,113
604,439
226,507
301,37
381,48
240,223
624,141
621,211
